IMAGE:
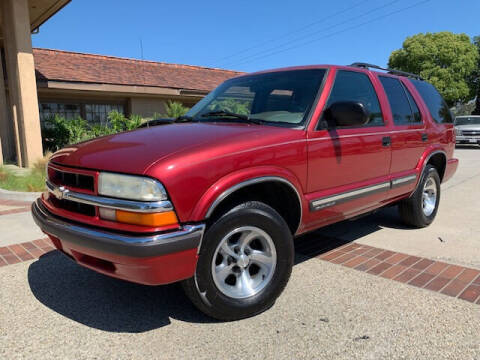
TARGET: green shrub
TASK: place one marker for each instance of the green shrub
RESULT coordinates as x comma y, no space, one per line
175,109
119,122
57,132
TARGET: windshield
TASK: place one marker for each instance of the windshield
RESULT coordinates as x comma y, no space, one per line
281,98
467,120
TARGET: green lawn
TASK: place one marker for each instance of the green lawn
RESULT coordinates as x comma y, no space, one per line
34,180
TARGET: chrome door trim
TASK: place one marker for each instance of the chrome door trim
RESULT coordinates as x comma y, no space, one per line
257,180
60,192
404,180
328,201
336,199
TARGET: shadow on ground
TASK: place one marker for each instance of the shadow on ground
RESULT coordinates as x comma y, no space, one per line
105,303
114,305
338,234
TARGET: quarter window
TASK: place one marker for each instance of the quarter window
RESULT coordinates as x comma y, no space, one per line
356,86
436,105
404,110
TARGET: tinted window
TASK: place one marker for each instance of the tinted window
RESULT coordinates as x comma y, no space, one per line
356,86
416,113
403,109
436,105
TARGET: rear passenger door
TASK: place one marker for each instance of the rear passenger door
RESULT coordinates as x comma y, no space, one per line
409,135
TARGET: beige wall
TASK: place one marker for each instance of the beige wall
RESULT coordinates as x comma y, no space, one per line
146,107
7,138
21,81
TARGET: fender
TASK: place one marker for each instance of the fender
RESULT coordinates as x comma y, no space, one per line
429,152
238,179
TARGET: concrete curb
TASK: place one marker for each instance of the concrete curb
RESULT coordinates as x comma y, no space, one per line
19,195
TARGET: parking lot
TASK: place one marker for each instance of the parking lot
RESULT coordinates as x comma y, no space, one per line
335,305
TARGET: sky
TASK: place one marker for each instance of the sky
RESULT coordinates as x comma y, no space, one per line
252,35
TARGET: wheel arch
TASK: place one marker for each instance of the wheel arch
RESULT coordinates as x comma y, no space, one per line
436,158
288,201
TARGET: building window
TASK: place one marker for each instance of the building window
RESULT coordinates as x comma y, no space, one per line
93,113
68,111
98,113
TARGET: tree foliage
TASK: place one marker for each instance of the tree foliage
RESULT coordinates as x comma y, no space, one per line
476,77
445,59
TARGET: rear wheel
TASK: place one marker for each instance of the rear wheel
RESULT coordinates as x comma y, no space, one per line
244,263
421,208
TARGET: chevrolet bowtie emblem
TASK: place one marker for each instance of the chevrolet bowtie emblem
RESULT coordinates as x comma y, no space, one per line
59,192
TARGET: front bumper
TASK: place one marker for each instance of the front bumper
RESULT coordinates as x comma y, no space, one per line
148,259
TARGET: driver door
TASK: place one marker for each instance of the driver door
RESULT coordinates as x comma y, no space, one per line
348,167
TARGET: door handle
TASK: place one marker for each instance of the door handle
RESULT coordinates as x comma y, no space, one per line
386,141
424,137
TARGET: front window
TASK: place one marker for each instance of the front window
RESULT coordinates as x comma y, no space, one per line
282,98
467,120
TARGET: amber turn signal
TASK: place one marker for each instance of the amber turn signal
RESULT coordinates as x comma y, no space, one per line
142,219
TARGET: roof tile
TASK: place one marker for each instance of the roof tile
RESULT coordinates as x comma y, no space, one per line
58,65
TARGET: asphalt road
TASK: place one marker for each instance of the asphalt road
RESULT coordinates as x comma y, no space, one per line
52,308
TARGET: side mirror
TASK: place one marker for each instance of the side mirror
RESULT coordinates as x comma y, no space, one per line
346,113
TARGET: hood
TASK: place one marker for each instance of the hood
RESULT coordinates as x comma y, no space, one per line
135,151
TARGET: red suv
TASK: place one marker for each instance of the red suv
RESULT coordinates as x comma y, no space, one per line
215,198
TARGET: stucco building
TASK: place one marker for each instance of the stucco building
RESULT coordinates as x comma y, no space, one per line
38,83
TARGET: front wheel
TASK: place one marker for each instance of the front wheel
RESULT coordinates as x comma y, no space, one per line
244,263
420,209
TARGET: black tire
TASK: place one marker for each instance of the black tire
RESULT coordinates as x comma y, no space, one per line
411,209
202,290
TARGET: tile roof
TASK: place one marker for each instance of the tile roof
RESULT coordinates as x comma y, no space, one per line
58,65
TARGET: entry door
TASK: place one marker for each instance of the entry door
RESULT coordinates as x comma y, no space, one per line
348,167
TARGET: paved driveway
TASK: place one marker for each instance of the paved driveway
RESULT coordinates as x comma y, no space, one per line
332,308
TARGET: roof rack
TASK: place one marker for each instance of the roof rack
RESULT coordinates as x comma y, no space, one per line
390,71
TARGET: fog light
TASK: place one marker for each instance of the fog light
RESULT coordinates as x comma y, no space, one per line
107,214
142,219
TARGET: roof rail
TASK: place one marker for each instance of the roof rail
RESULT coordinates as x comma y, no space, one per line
390,71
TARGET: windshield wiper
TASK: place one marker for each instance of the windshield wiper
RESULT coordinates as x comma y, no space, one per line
224,113
184,118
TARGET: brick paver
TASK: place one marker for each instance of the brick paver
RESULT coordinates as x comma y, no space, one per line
438,276
16,253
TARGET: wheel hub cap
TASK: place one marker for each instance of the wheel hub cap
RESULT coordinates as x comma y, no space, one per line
244,262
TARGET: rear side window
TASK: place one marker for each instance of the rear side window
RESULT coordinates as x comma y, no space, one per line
414,106
404,110
356,86
436,105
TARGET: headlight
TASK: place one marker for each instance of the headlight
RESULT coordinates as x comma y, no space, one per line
458,132
130,187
